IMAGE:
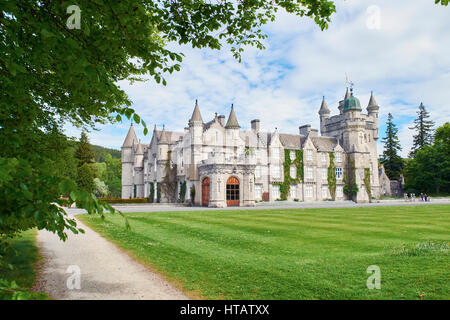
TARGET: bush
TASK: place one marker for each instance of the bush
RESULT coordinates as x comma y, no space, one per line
119,200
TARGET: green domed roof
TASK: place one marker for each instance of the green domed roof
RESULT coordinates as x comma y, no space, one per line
352,103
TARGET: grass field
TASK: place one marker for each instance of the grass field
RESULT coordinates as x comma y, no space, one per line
292,254
24,261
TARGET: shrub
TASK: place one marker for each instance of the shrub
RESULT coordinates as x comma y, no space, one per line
119,200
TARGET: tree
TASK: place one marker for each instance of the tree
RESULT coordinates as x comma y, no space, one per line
429,170
113,175
85,171
84,152
424,130
85,178
100,188
393,163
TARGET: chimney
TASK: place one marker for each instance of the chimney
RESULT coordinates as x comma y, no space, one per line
304,130
255,125
314,133
222,120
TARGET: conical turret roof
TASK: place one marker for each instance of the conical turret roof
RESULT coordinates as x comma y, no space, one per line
130,139
324,107
140,149
372,102
232,122
163,139
196,116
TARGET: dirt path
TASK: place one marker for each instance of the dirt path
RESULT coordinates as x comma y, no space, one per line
105,271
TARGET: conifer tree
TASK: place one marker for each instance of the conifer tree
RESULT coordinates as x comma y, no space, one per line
393,163
84,152
424,130
85,172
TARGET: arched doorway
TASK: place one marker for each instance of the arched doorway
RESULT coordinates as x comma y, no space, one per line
232,192
205,192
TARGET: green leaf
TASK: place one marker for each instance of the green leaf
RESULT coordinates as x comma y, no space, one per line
136,118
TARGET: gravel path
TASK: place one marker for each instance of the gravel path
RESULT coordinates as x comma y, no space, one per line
105,271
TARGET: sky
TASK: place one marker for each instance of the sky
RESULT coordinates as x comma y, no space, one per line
399,49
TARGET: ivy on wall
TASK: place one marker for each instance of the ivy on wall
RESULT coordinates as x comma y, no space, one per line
351,188
182,191
158,192
285,186
332,177
367,182
151,196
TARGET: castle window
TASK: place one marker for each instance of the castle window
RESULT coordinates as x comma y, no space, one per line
309,173
293,172
324,173
275,192
258,191
258,172
276,173
339,173
293,191
324,192
324,157
292,155
338,156
309,155
309,191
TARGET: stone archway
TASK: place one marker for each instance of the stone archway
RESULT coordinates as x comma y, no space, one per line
232,192
206,183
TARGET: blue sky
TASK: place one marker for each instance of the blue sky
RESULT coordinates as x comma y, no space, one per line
398,49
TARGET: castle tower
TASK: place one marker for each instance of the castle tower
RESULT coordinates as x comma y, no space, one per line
128,163
373,110
196,132
232,127
324,114
356,146
163,145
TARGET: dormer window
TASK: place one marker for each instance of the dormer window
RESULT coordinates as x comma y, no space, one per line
309,155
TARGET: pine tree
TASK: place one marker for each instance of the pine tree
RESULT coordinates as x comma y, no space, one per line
393,163
84,152
424,129
85,171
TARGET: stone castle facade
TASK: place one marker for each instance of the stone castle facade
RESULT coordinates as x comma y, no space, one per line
227,166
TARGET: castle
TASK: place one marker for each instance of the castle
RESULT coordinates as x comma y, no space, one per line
221,165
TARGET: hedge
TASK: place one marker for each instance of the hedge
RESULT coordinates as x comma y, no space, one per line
119,200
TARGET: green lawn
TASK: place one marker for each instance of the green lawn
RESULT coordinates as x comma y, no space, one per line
24,260
293,254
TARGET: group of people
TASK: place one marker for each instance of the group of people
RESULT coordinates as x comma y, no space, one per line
412,197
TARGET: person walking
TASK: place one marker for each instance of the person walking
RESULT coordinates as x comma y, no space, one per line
421,196
426,197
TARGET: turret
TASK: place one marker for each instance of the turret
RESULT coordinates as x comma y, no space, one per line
232,127
139,156
127,163
163,145
324,113
196,130
373,110
352,106
342,102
